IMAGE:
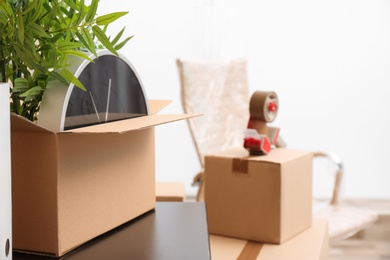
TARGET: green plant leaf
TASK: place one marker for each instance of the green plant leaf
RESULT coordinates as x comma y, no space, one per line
3,18
20,85
39,38
69,45
81,13
32,93
38,11
6,8
57,76
31,64
52,56
103,39
39,67
56,37
118,36
121,44
46,47
87,36
105,28
38,30
24,56
66,12
82,39
39,76
80,54
29,49
92,11
71,78
47,6
109,18
21,29
30,7
55,14
72,4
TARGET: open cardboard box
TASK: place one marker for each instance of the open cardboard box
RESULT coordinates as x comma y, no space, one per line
69,187
311,244
265,198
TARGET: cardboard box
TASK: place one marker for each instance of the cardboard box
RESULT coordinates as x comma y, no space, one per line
312,244
170,191
72,186
265,198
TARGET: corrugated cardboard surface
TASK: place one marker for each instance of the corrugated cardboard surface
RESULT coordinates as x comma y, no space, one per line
311,244
257,197
34,191
109,181
124,126
70,187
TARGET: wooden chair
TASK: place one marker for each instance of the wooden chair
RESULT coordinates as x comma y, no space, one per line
344,220
219,90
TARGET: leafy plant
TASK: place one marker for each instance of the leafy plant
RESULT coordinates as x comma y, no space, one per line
37,37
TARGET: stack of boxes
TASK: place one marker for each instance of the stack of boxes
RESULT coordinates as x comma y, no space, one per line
260,207
84,182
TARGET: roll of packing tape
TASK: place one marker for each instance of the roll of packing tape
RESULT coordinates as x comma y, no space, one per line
264,106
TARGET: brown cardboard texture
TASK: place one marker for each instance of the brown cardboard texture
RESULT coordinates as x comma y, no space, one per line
170,191
265,198
69,187
311,244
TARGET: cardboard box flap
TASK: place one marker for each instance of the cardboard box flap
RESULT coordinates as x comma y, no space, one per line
22,124
277,155
137,123
156,106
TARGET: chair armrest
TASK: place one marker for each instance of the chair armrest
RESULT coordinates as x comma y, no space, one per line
339,174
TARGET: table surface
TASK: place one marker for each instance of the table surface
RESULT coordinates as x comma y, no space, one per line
174,230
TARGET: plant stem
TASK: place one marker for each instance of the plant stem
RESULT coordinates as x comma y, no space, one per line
2,70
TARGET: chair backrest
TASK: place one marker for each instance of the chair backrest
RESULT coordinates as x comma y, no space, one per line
219,91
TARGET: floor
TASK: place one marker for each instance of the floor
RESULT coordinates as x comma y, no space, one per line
371,244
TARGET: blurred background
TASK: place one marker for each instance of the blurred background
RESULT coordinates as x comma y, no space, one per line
329,62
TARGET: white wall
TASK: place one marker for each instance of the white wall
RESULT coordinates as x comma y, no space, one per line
5,175
329,62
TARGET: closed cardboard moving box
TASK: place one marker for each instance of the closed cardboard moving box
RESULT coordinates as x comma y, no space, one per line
69,187
264,198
